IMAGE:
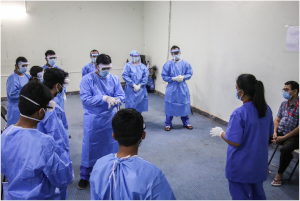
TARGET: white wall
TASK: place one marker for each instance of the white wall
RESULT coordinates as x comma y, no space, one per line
222,40
72,30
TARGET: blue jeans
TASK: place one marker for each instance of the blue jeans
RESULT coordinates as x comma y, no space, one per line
85,172
185,120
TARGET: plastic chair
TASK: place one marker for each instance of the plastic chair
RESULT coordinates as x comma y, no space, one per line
297,162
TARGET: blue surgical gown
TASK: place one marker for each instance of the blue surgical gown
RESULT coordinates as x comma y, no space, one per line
14,85
248,163
35,166
97,127
88,68
135,179
177,97
53,126
59,99
133,74
60,113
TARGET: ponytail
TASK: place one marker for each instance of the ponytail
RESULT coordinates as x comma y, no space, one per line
255,90
259,99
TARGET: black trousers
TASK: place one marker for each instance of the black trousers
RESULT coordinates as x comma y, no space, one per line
288,146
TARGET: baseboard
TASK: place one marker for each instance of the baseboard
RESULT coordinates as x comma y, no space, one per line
69,93
199,111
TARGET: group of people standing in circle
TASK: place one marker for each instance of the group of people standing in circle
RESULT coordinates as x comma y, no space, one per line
111,139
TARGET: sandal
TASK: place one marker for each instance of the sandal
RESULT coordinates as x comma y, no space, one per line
274,184
167,128
189,126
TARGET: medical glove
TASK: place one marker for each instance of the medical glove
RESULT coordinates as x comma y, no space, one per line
109,100
216,132
136,87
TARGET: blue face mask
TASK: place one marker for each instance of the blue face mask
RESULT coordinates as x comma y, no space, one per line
59,93
94,60
135,59
237,96
42,80
51,62
176,57
104,73
22,69
286,95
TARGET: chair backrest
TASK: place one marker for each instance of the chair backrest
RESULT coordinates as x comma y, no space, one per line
3,113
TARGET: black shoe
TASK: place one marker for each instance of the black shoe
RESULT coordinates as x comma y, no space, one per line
69,136
82,184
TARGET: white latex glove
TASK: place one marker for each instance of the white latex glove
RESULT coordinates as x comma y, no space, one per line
139,87
136,87
66,82
65,98
180,78
110,100
216,132
175,78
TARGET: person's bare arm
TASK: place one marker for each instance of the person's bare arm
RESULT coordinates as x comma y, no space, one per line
229,142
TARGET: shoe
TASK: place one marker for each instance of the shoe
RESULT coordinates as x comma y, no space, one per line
274,184
82,184
167,128
189,126
69,136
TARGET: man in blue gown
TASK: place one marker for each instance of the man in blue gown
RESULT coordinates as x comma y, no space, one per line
14,84
90,67
51,59
136,75
100,93
34,164
177,97
124,175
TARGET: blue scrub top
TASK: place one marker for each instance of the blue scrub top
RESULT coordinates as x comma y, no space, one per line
248,163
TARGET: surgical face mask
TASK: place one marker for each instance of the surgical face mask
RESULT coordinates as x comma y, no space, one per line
41,80
104,73
176,57
58,92
22,69
286,95
51,62
135,59
40,76
237,96
94,59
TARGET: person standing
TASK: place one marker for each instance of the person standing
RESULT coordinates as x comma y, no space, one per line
136,75
90,67
177,96
247,136
100,93
14,84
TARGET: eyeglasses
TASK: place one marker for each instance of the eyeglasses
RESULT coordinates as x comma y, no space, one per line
175,53
286,90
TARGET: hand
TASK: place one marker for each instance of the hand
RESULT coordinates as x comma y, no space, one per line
216,132
109,100
279,139
274,136
65,98
136,87
180,78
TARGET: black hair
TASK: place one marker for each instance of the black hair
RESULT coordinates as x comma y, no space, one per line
49,52
34,70
127,125
94,51
23,59
52,76
103,59
255,90
174,47
294,85
38,93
